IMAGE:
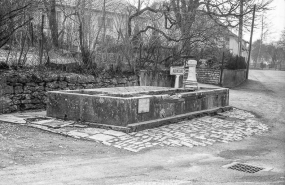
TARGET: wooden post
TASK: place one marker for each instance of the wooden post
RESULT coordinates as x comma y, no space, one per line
250,42
222,69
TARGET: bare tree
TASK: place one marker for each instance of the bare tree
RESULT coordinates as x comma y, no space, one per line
282,39
90,22
12,18
179,26
50,6
184,16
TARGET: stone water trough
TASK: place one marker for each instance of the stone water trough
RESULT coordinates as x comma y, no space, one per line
134,108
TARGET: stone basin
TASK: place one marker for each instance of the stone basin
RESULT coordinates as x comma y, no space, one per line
122,106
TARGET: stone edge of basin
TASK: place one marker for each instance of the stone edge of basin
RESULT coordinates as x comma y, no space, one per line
135,127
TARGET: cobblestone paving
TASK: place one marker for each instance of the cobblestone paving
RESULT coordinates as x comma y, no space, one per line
226,127
237,113
196,132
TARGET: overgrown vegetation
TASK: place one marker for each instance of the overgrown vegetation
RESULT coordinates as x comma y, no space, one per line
235,62
272,54
71,36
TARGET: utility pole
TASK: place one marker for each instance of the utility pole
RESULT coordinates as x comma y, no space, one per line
240,29
250,42
139,5
261,40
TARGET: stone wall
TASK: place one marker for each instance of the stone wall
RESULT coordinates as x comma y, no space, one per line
164,79
157,78
208,75
22,91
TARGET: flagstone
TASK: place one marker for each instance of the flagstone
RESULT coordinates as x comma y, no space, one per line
114,133
77,134
101,137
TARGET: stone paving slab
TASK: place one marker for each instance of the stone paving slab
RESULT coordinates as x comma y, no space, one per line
226,127
53,123
21,117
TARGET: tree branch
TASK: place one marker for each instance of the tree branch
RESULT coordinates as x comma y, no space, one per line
138,13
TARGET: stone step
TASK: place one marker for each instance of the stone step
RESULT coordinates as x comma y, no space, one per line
105,126
135,127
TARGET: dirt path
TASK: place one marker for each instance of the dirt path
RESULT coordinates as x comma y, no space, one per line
30,156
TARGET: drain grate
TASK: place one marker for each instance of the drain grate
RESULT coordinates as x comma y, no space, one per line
245,168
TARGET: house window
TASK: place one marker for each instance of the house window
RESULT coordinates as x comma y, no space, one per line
108,22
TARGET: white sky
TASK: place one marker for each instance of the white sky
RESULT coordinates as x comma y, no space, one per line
276,21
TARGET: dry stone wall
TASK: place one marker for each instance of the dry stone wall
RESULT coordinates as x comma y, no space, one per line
27,90
208,75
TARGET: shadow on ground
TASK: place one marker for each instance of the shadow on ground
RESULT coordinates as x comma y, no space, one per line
252,86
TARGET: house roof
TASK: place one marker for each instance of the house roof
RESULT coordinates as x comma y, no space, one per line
234,35
113,6
230,32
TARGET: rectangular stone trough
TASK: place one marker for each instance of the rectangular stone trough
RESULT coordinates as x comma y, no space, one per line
125,107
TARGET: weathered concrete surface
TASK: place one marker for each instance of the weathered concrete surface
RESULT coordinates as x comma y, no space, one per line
157,78
53,159
122,106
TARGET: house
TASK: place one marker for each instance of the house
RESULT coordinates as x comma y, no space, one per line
90,15
233,45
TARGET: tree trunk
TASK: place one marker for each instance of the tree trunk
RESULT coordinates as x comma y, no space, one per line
53,24
185,13
104,21
85,51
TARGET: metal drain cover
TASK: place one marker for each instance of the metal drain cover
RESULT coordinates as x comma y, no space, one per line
244,168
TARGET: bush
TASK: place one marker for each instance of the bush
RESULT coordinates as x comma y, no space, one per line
6,47
73,68
235,62
4,66
263,65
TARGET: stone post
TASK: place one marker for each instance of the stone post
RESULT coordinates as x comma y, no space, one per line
190,80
